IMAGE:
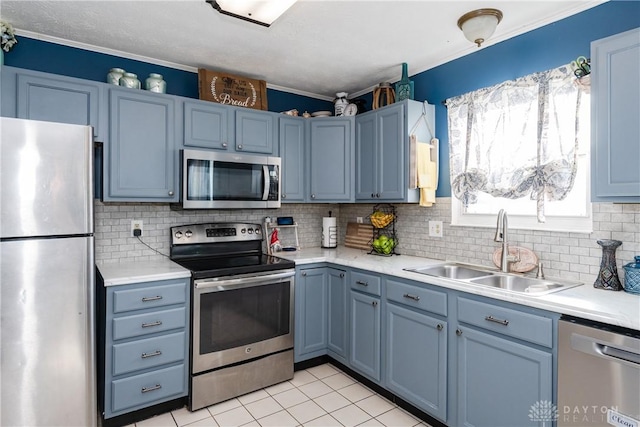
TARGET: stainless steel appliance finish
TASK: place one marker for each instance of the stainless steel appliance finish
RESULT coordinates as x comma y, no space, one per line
242,310
213,180
598,375
47,319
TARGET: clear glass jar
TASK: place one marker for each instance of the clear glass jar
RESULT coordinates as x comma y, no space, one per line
114,76
155,83
632,276
130,80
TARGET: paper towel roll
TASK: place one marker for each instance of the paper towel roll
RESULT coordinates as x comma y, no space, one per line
329,232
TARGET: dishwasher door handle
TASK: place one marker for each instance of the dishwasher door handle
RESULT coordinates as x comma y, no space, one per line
618,353
598,348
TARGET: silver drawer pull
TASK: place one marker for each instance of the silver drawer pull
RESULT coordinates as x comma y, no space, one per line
155,353
493,319
147,299
413,297
148,325
360,282
439,326
148,389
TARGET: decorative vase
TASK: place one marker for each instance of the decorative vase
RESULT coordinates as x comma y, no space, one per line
404,88
632,276
608,274
155,83
340,102
114,76
130,80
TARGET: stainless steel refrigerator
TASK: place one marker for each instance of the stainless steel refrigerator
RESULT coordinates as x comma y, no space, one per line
48,368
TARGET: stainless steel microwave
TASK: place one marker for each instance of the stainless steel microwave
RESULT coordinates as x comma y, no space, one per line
213,180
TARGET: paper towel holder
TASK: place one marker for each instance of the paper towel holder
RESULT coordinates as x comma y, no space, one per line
329,232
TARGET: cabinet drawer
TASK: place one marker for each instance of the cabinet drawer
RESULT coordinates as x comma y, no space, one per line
148,353
525,326
145,388
149,323
365,283
418,297
149,297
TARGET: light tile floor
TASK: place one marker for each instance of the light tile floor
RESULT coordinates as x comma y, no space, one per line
319,396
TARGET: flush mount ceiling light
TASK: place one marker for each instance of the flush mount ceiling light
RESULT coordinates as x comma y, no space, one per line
261,12
479,25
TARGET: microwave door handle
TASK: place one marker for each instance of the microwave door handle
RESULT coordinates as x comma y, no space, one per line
265,173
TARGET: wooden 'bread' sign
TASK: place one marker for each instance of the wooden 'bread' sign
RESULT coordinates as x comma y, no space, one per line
232,90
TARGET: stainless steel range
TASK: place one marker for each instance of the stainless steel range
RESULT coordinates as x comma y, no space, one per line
241,310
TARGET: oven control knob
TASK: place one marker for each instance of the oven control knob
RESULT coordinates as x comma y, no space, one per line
178,234
251,231
243,231
188,233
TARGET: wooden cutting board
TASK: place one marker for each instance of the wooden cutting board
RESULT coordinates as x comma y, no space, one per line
358,236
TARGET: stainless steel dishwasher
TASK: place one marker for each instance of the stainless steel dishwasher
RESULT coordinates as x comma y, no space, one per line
598,374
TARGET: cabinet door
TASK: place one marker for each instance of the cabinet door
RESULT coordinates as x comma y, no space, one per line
337,309
142,160
331,159
292,155
254,131
365,335
391,145
499,381
366,157
206,125
615,104
311,312
60,99
416,361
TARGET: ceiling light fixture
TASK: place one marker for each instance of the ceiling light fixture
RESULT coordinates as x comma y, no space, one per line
479,25
261,12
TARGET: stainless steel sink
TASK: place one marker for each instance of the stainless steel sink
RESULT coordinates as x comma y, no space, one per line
452,271
494,279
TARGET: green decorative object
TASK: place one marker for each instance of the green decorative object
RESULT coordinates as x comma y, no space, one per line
404,88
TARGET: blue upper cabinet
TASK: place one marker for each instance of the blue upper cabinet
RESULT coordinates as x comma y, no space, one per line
615,108
141,157
53,98
255,131
206,125
330,159
292,144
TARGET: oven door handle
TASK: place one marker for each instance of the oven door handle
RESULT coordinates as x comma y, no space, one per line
267,182
241,282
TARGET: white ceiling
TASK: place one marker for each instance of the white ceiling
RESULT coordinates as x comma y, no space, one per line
317,48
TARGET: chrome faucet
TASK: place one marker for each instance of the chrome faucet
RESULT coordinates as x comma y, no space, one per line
501,236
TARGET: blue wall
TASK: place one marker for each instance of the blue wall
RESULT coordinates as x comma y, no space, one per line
542,49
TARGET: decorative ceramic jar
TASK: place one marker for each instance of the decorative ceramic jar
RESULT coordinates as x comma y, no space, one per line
340,102
114,76
608,274
155,83
632,276
130,80
404,88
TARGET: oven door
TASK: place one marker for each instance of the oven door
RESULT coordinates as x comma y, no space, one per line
241,317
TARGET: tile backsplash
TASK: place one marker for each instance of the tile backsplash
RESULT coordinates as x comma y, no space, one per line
568,255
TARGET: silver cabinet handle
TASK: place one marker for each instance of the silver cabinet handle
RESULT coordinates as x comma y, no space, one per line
413,297
304,274
374,303
239,147
148,325
155,353
224,145
147,299
378,195
458,332
148,389
171,193
313,196
373,195
342,275
360,282
284,196
439,326
490,318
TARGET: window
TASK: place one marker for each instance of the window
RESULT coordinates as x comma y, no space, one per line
522,146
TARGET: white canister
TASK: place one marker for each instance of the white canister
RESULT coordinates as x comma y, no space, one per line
155,83
340,102
329,232
114,76
130,80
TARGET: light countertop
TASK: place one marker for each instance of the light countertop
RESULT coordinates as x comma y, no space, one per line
125,273
585,301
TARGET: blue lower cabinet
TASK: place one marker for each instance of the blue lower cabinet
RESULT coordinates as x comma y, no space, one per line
146,388
337,344
416,359
500,381
311,313
365,335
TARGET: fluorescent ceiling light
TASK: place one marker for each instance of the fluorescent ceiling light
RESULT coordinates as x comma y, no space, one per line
261,12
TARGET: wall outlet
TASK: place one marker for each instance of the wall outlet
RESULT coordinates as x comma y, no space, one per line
136,224
359,220
435,228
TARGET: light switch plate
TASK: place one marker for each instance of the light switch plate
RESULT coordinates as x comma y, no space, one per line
435,228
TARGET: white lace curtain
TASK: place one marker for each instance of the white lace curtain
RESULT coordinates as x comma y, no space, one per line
516,139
